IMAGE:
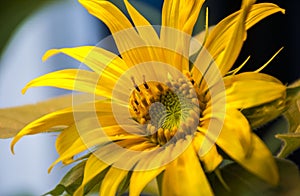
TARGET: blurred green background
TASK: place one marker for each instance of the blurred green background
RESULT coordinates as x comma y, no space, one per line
13,13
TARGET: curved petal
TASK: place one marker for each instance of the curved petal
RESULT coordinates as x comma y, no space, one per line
228,80
260,11
70,134
252,89
181,14
77,147
148,34
13,119
235,41
94,57
65,140
218,39
186,168
61,117
100,137
178,20
144,28
125,35
72,79
107,13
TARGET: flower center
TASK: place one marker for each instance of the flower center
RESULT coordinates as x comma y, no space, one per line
168,109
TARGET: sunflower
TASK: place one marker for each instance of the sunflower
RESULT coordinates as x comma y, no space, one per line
166,106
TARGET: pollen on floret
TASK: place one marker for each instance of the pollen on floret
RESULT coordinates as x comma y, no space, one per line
167,108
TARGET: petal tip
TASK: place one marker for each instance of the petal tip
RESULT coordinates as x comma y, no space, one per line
49,54
25,89
12,144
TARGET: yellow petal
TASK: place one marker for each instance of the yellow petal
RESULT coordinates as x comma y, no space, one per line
252,89
181,15
152,45
246,148
92,168
178,20
235,42
124,34
146,31
65,140
94,57
108,66
210,159
260,162
154,159
139,179
72,79
61,117
185,176
107,13
111,181
78,146
135,149
260,11
74,132
90,138
13,119
235,134
229,80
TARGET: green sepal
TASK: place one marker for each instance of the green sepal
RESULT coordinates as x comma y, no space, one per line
124,185
93,186
261,115
293,112
242,182
291,142
291,139
70,182
159,180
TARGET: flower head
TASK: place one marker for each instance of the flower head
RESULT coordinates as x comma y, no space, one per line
151,110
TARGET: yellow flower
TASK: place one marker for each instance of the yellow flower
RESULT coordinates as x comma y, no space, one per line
151,111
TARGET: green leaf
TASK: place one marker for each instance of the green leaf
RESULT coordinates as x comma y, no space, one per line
70,182
12,120
13,13
73,179
242,182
